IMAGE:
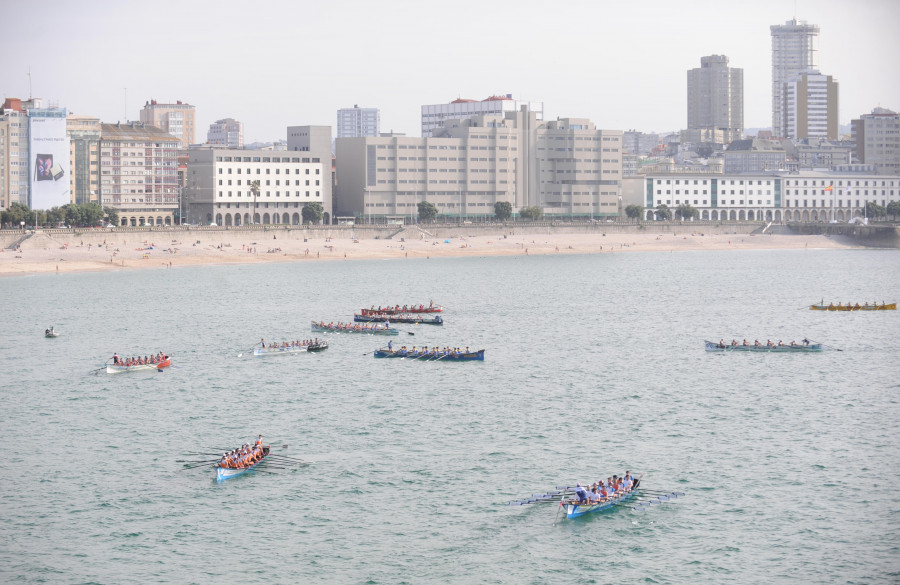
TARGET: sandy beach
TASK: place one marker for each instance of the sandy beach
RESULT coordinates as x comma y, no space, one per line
172,249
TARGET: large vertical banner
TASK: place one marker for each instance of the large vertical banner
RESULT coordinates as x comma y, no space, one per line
49,149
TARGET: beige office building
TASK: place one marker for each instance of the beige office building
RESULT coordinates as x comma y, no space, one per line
877,140
811,107
566,167
178,119
139,173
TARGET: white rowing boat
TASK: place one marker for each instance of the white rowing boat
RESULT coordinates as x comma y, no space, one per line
123,369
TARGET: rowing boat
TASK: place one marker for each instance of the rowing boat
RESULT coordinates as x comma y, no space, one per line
405,318
397,309
574,509
315,346
223,473
452,356
856,307
50,333
812,347
122,369
348,328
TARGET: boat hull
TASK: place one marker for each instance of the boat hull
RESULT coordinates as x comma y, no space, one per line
114,369
811,348
472,356
225,473
51,335
371,331
577,510
856,307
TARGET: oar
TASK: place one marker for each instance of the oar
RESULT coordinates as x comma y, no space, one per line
193,461
826,345
197,465
241,352
286,459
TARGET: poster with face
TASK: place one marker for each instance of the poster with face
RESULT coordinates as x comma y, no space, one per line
50,159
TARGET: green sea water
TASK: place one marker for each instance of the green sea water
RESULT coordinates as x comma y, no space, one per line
593,365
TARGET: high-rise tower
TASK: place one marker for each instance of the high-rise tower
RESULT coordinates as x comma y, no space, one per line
794,50
716,100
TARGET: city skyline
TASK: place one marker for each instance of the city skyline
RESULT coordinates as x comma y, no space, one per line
620,66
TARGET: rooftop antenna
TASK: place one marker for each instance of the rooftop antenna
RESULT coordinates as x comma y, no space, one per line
29,83
126,102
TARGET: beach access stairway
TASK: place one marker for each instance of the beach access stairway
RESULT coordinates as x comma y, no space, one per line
774,229
18,241
410,232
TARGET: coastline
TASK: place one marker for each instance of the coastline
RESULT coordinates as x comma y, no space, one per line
102,250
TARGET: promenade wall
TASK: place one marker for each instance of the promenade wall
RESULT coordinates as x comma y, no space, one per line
875,236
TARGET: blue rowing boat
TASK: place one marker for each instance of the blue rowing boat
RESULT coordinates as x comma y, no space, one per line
433,355
764,348
223,473
574,509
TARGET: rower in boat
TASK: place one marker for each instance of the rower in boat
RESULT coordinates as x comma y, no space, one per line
581,493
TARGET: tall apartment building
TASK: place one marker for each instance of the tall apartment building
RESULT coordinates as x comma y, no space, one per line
139,173
13,153
226,132
811,107
715,99
877,140
178,120
356,121
794,50
566,167
219,186
433,116
314,144
84,158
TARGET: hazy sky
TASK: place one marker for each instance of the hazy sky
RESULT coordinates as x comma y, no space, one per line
273,64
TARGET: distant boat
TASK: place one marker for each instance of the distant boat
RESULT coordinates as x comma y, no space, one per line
317,345
432,355
397,309
223,473
798,348
399,318
857,307
372,329
121,368
50,333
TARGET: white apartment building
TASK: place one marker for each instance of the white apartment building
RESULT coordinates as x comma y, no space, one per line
794,50
877,140
14,164
778,197
838,195
356,121
313,143
716,197
219,186
139,173
434,116
566,167
227,132
810,106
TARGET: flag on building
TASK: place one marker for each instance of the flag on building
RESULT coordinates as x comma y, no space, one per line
829,188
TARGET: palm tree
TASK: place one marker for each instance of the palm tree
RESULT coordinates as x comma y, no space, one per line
254,188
